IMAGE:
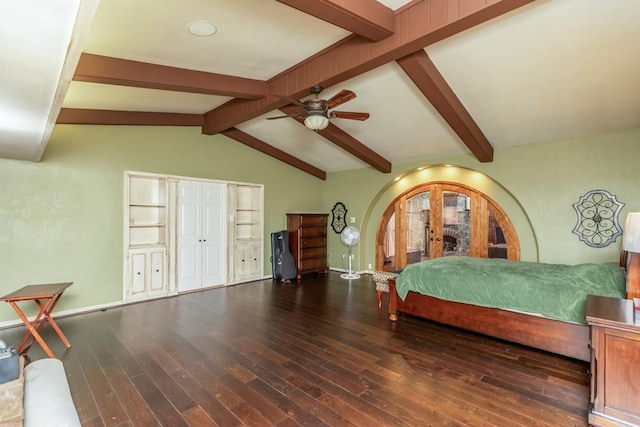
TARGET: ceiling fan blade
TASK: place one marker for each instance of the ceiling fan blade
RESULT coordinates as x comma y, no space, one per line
349,115
297,115
288,98
340,98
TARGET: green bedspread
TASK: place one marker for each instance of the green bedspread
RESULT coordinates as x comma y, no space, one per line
554,290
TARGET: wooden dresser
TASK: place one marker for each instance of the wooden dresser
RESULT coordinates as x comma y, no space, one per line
615,358
308,242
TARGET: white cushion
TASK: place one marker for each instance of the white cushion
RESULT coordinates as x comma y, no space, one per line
47,399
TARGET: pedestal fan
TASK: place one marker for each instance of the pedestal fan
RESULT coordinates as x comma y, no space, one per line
350,236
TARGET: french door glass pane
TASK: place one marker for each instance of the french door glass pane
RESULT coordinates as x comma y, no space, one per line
497,243
418,209
456,229
389,243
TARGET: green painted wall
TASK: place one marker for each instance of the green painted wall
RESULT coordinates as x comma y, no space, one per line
62,218
535,184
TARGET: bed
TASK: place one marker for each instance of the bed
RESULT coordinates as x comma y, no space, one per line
534,304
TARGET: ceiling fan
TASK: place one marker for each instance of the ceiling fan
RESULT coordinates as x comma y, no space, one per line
316,112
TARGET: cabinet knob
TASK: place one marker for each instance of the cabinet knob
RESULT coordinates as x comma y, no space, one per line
204,240
157,271
199,240
138,273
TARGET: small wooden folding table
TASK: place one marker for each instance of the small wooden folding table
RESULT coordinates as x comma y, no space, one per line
46,296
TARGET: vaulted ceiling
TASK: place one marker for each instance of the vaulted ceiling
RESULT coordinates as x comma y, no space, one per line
438,77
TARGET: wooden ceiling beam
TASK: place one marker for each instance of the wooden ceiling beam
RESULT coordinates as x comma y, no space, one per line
256,144
346,142
423,72
367,18
423,24
103,69
78,116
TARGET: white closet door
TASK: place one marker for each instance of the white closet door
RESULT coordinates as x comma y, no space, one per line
213,234
201,235
189,240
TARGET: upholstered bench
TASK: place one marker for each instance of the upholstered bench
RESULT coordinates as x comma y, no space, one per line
381,279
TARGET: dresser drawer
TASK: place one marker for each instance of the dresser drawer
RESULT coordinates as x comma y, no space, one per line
314,220
313,263
319,252
313,231
313,242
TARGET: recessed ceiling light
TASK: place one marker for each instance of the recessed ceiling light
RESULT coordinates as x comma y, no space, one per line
202,28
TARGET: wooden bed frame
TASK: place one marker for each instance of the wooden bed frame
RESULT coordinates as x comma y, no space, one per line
555,336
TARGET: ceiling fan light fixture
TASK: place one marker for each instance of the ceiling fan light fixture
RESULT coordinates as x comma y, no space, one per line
316,121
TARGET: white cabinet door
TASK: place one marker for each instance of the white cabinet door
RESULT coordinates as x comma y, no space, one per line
248,260
255,259
157,265
201,235
138,273
147,274
242,265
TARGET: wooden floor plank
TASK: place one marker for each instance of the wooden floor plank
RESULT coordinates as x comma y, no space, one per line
107,399
207,403
163,409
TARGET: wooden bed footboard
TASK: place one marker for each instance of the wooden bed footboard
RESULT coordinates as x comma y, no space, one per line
555,336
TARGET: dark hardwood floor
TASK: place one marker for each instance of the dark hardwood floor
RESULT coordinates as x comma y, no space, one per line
313,353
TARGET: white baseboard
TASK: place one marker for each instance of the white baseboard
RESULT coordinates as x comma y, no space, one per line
65,313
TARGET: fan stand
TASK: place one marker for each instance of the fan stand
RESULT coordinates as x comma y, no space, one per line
351,274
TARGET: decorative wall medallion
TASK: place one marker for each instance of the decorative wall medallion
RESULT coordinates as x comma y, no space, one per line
338,222
598,212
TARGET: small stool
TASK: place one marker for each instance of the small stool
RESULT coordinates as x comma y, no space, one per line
381,279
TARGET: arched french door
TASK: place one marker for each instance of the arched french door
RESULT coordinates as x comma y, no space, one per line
443,219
